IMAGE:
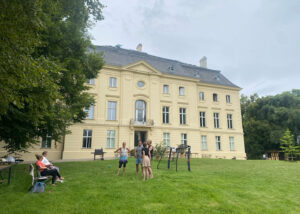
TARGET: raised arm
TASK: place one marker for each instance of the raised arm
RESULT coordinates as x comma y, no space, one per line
118,150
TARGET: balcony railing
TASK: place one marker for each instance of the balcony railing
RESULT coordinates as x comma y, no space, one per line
147,123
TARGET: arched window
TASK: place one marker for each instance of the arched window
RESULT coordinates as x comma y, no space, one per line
140,111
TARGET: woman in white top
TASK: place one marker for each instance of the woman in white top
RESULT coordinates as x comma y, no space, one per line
123,157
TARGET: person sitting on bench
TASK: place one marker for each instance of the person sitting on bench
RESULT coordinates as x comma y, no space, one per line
45,171
47,163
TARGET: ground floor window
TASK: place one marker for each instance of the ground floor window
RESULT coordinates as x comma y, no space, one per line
218,143
87,138
184,139
110,139
203,142
166,139
231,143
46,142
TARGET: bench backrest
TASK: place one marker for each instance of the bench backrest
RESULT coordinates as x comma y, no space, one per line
98,152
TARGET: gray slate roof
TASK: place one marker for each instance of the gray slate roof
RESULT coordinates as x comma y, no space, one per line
120,57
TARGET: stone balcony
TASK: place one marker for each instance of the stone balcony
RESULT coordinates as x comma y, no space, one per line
147,123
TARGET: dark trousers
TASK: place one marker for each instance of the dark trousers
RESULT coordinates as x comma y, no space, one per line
53,172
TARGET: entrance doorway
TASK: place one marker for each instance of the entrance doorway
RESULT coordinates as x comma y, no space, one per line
139,135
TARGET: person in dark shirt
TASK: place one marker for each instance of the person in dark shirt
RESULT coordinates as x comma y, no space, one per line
146,162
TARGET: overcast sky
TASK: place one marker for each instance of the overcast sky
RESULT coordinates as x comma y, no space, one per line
255,43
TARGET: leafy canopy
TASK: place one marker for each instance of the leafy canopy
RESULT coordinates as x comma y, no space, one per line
45,58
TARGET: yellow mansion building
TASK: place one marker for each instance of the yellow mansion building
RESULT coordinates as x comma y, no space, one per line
140,96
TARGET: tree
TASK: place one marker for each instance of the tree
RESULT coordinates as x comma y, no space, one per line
287,145
46,56
266,118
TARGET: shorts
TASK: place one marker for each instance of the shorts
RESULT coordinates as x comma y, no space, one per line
138,161
146,162
122,162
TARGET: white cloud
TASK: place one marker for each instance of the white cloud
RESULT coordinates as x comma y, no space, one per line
254,43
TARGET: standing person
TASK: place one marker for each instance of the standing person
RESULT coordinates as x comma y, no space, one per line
150,148
45,171
123,157
47,163
138,156
146,162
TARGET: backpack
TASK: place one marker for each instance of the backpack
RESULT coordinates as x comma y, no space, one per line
38,187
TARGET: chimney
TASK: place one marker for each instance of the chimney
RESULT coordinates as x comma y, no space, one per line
203,62
139,47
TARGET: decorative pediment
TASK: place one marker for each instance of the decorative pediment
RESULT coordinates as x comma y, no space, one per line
142,66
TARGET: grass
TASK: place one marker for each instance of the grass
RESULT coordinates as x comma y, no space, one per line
213,186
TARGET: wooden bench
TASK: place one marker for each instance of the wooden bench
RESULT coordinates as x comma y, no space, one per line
38,177
99,152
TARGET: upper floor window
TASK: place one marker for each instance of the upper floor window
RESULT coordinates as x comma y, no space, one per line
228,99
140,111
89,112
203,142
216,120
182,116
112,82
215,97
165,89
201,95
140,84
202,119
229,121
218,143
184,139
110,139
111,110
165,114
46,142
166,139
231,143
181,91
87,138
90,81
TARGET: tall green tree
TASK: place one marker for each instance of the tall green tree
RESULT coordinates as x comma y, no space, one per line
287,145
46,56
265,119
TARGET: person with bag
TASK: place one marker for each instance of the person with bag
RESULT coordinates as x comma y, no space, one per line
45,171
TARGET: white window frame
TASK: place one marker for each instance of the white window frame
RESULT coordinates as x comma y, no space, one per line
201,95
110,139
231,143
229,121
166,139
184,138
90,81
166,89
228,99
87,138
215,97
182,116
181,91
89,111
216,120
202,119
137,110
166,114
204,142
112,82
111,110
46,142
218,143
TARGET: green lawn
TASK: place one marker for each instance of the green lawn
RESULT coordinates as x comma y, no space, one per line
213,186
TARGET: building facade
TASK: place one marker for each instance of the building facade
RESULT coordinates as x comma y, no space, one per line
140,96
